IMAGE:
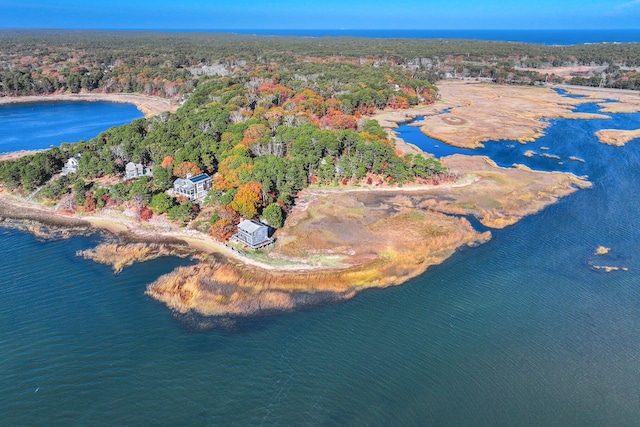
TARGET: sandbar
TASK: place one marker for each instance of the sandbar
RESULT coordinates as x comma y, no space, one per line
617,137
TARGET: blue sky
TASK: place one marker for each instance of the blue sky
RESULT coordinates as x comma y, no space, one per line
327,14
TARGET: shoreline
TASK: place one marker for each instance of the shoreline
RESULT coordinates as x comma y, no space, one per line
379,254
149,105
339,241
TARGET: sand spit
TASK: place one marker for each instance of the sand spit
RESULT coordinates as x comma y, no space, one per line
148,105
617,138
352,240
339,241
485,112
624,101
120,256
336,241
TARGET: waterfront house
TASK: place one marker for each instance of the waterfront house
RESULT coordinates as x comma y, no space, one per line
136,170
253,234
71,165
194,188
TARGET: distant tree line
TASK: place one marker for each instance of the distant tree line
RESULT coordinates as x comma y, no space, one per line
172,64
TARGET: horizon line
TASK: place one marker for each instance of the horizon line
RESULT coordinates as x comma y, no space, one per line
309,29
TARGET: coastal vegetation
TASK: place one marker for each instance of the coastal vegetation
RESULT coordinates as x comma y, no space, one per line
171,64
264,134
298,134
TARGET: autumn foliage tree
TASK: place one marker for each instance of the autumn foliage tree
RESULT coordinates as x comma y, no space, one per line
228,213
248,199
186,168
222,229
89,202
167,162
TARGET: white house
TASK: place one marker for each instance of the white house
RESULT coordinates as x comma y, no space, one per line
136,170
253,234
71,165
194,188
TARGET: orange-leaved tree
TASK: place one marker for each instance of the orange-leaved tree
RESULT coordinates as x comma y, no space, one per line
222,229
186,168
248,199
167,162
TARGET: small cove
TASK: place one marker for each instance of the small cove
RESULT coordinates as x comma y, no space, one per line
40,125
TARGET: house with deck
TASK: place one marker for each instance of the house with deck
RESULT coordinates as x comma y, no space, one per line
253,234
71,165
136,170
194,188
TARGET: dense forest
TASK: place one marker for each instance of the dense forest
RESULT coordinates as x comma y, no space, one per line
266,117
170,64
264,134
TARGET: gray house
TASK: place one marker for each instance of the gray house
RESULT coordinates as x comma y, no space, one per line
253,234
71,165
194,188
136,170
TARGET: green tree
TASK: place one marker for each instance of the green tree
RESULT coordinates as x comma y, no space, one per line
161,203
79,191
162,178
182,213
140,187
273,215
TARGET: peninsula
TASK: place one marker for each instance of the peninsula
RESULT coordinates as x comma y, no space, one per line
338,240
296,138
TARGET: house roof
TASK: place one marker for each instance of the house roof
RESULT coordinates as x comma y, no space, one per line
201,177
250,226
183,183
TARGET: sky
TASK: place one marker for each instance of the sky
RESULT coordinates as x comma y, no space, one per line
326,14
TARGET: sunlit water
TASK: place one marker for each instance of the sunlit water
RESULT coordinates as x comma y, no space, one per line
44,124
519,331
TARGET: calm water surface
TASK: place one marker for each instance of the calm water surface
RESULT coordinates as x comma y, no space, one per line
519,331
40,125
548,37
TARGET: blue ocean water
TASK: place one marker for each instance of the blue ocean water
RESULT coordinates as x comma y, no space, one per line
548,37
519,331
43,124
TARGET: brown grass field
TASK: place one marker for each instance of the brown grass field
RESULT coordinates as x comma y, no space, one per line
361,239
